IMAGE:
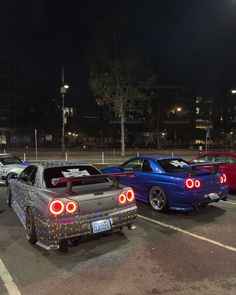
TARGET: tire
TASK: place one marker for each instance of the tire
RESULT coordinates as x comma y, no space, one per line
30,227
63,247
9,198
158,199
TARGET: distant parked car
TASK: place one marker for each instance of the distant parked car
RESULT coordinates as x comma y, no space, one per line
60,201
10,165
171,183
228,165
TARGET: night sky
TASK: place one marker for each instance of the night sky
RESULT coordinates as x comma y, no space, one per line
190,43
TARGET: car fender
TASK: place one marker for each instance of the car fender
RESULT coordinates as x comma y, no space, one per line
167,184
13,170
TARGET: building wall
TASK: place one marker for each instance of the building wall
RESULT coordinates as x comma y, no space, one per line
20,98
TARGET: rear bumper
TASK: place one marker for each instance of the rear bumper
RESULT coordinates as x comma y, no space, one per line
50,233
188,201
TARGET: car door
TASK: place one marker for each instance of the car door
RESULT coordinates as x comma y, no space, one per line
21,191
229,168
144,178
140,182
134,165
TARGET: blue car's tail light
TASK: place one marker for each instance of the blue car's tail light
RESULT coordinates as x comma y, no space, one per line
197,183
191,183
223,178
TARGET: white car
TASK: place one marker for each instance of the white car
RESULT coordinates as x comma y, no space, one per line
10,165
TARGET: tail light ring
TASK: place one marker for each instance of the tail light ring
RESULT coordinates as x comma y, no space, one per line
189,183
130,198
197,183
70,211
53,210
122,199
224,178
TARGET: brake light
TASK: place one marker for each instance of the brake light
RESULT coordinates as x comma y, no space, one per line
130,195
197,183
71,207
122,199
191,183
223,178
56,207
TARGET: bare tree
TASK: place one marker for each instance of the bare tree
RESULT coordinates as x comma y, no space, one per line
123,84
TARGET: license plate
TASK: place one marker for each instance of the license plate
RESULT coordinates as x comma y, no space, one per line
212,196
101,225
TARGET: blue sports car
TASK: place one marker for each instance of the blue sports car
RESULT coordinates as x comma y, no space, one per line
172,183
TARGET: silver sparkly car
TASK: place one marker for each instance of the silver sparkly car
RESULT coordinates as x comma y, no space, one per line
60,201
9,166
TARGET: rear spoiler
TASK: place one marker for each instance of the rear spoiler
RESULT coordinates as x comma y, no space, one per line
71,180
194,167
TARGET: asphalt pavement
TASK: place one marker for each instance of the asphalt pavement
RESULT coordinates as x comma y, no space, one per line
171,253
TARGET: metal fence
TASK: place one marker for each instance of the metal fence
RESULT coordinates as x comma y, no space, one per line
96,156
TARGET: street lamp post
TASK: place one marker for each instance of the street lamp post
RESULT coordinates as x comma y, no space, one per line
177,110
63,89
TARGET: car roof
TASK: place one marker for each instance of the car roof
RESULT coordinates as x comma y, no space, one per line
6,155
60,163
158,157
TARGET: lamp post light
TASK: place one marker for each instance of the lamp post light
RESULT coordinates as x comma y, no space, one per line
63,90
177,110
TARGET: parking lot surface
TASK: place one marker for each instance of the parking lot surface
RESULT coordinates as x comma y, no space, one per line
172,253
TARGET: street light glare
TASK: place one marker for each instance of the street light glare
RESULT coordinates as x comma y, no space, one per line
66,86
233,91
179,109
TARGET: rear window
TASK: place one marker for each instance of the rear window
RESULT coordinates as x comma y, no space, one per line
71,171
173,165
10,160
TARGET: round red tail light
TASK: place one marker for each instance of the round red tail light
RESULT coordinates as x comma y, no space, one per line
130,195
189,183
56,207
197,183
71,207
122,199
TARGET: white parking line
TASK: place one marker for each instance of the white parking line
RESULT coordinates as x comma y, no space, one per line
8,281
188,233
